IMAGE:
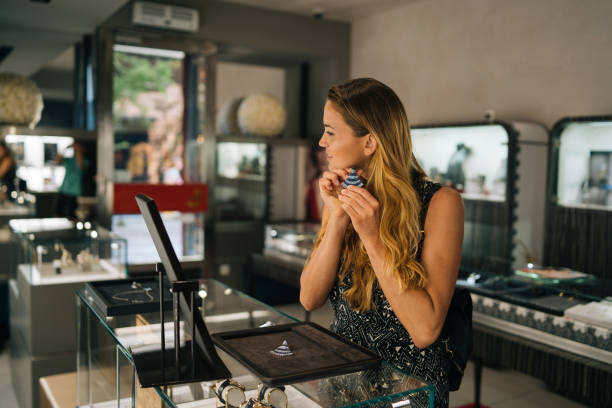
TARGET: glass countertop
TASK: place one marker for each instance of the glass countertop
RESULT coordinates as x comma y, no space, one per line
226,309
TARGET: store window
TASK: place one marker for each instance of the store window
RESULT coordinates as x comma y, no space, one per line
148,108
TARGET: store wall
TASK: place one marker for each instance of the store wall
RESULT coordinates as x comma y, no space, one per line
240,80
453,60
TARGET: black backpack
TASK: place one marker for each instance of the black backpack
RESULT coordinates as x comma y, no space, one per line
457,336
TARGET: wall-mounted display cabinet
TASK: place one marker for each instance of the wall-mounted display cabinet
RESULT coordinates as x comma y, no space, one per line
500,170
579,218
257,180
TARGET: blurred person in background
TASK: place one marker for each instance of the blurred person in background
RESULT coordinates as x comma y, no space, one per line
72,185
8,171
314,202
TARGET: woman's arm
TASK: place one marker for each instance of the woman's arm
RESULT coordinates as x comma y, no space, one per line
421,311
319,273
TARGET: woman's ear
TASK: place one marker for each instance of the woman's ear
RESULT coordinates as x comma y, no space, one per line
371,145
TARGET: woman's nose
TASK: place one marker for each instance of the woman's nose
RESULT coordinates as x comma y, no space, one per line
322,141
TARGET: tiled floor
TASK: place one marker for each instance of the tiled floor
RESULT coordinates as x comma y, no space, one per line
7,396
500,388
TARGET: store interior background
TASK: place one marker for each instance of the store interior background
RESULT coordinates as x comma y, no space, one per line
449,61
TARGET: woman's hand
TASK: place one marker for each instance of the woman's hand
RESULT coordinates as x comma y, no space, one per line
363,209
331,188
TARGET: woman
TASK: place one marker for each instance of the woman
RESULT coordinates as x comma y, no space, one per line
387,254
8,171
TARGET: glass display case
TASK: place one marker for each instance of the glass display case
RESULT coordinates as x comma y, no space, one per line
240,192
294,239
584,165
580,196
36,162
106,375
257,180
471,159
59,250
186,232
500,170
22,206
54,258
36,150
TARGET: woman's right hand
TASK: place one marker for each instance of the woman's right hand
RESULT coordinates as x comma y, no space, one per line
330,187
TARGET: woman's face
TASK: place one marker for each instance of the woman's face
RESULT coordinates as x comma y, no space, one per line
342,146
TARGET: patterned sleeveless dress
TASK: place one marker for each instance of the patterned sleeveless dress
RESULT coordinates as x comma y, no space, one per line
380,330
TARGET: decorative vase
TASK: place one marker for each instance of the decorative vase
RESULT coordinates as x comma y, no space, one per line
262,115
21,102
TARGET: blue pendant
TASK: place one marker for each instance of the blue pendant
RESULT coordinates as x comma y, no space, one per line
352,180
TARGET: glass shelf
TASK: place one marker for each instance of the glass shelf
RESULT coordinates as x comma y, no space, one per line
106,375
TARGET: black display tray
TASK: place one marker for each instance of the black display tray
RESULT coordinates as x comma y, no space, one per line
317,352
544,299
493,286
102,293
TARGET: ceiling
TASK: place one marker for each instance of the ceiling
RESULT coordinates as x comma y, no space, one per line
344,10
40,32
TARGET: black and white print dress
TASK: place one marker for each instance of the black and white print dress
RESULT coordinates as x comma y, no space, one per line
380,330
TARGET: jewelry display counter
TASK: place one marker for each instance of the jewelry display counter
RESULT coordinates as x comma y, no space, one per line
54,258
107,377
560,333
555,330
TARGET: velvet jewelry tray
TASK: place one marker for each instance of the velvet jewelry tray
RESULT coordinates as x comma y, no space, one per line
121,297
316,352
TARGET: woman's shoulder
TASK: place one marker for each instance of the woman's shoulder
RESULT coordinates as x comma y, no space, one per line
446,199
426,188
434,194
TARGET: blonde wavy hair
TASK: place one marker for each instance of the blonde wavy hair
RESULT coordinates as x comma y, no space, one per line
370,107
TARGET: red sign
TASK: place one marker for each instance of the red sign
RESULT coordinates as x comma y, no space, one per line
183,198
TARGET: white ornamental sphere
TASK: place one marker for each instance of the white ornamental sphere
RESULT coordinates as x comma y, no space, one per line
228,117
262,115
20,100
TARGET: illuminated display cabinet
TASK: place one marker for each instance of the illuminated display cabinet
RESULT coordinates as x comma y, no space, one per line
500,170
55,257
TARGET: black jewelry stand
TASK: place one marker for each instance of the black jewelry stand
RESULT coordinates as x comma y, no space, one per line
197,360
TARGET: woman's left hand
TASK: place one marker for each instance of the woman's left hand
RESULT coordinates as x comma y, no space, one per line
362,207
